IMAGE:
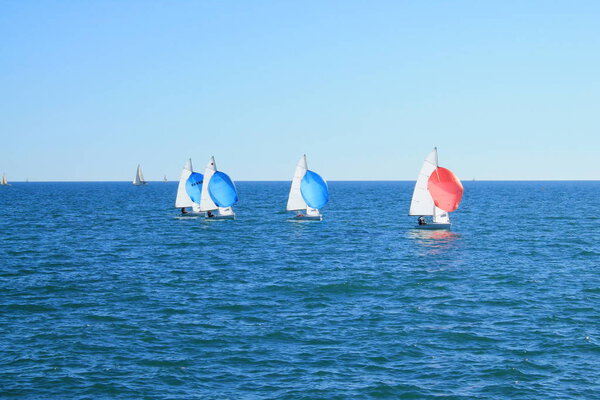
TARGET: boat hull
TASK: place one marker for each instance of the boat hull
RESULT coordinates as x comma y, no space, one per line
433,226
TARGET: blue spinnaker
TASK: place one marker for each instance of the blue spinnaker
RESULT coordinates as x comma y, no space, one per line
314,190
193,186
222,190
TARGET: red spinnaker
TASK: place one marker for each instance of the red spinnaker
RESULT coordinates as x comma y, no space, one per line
445,189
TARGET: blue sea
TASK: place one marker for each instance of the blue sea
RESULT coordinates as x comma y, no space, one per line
106,293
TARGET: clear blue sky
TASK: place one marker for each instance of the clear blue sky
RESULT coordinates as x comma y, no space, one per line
505,89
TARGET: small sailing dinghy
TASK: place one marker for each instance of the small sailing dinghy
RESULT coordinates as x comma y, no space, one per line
165,178
308,193
138,180
218,193
4,181
437,193
189,190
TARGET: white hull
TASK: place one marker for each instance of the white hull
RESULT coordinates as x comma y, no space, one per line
433,225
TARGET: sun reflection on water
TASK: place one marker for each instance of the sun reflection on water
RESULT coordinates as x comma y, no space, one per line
434,241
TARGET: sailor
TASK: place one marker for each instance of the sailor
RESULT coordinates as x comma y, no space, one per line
183,210
209,214
422,220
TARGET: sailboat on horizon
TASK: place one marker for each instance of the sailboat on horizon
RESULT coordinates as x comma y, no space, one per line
138,180
189,190
218,193
308,193
437,193
4,181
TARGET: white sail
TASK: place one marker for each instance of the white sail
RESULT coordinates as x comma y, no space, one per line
4,180
182,199
295,200
136,178
139,177
422,203
206,203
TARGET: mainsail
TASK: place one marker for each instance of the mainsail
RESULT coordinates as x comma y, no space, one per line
4,180
190,187
295,200
206,203
422,203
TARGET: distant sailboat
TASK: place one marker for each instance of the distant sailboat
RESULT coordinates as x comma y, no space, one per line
218,193
139,177
4,181
189,190
308,193
165,179
437,192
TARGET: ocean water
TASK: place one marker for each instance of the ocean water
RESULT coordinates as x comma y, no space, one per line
105,293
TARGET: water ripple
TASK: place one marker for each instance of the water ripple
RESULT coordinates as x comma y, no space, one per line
124,299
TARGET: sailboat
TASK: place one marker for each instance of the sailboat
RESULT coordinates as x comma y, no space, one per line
189,190
218,193
308,193
4,181
165,179
437,193
139,177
